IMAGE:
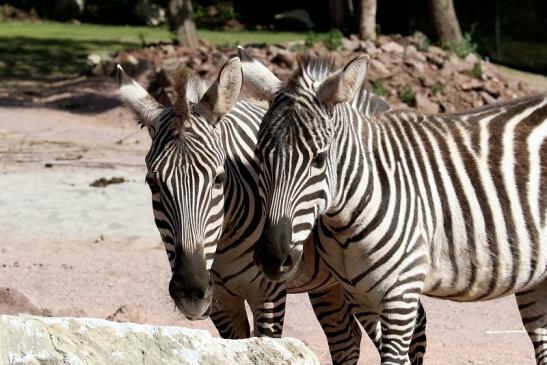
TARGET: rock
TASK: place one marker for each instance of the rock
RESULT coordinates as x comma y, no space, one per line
492,87
393,47
414,58
33,340
128,313
369,47
100,65
436,55
68,9
488,99
149,13
470,84
294,19
94,59
412,54
471,59
351,44
12,301
458,64
129,64
285,57
425,105
377,69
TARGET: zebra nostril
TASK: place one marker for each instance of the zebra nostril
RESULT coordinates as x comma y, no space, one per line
197,293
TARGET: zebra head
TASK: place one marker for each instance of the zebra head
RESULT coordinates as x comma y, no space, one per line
297,152
185,166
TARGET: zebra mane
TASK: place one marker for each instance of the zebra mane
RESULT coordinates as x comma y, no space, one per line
320,67
189,88
317,67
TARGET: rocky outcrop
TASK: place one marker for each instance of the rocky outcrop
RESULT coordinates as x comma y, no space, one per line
441,81
41,340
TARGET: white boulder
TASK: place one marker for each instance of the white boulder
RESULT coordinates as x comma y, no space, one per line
41,340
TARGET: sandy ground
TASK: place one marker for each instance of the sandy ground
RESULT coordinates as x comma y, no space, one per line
85,251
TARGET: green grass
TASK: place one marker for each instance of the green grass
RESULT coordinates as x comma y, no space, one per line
243,37
50,50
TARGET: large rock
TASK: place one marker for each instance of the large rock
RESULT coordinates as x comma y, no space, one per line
41,340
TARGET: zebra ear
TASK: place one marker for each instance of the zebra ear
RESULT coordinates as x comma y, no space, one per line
342,86
143,105
257,78
221,97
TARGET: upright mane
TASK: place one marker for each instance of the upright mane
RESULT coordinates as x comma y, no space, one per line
189,88
313,66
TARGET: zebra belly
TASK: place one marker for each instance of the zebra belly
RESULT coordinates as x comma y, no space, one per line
482,275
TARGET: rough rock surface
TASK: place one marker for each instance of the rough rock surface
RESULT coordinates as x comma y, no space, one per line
41,340
444,82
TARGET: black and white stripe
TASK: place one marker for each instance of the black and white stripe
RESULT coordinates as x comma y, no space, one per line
452,206
204,182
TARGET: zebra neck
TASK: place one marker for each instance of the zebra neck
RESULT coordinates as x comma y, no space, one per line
353,167
238,137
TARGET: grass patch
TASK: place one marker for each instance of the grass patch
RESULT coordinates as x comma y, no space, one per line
463,48
378,87
437,88
407,96
234,37
50,50
476,71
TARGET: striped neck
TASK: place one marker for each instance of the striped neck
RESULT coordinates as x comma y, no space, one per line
354,150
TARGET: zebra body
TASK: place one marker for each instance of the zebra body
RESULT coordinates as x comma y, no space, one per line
452,206
203,177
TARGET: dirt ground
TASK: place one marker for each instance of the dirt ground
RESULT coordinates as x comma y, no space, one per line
79,250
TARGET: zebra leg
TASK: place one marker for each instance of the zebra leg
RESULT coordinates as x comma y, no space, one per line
228,315
269,310
397,320
339,325
533,311
418,344
371,323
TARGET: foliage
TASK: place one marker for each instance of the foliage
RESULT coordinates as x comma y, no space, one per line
226,14
463,48
378,87
311,39
476,71
422,42
437,88
407,96
333,40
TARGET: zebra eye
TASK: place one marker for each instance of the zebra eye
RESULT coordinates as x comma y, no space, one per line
219,180
319,161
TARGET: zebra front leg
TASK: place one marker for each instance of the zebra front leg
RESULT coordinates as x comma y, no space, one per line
398,319
371,323
418,344
339,325
533,311
268,309
228,314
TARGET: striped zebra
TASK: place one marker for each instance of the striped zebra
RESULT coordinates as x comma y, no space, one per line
203,176
452,206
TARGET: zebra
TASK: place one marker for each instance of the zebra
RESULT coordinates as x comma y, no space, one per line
203,177
451,206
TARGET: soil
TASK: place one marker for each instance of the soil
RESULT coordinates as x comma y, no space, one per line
71,249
